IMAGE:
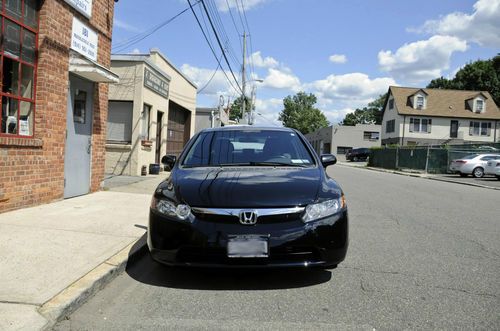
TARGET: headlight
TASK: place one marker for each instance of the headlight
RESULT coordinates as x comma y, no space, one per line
323,209
167,207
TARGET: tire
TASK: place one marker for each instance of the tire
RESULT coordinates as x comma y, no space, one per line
498,177
478,172
355,159
462,174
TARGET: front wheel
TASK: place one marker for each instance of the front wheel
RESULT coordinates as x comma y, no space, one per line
355,159
478,172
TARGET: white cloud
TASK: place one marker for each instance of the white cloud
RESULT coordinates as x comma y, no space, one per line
337,115
481,27
222,5
281,78
260,62
125,26
135,51
267,111
338,58
421,60
349,90
200,76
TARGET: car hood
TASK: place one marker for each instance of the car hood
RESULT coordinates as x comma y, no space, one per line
260,187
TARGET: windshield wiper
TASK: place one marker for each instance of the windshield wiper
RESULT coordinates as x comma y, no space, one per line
273,163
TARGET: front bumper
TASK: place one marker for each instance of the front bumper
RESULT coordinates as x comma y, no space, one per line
291,243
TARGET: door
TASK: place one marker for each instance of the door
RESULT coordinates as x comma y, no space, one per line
454,129
78,148
177,126
159,128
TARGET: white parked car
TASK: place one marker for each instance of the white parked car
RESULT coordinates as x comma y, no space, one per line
472,164
493,168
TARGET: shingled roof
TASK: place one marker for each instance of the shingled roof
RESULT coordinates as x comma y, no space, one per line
443,103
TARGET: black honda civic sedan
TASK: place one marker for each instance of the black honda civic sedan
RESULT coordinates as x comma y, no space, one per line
244,196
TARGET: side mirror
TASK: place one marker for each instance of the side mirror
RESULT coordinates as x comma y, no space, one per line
169,160
328,159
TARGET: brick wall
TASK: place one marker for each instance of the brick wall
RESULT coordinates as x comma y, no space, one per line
32,170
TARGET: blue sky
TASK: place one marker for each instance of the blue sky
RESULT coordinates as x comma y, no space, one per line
346,52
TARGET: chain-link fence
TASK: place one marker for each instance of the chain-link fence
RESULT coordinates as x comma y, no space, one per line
430,159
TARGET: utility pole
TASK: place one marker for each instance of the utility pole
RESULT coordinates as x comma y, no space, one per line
243,109
252,103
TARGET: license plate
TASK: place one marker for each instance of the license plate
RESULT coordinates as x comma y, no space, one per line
247,246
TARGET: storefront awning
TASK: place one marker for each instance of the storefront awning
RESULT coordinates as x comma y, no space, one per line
91,70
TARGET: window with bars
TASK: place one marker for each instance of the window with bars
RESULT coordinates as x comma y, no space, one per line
371,135
19,28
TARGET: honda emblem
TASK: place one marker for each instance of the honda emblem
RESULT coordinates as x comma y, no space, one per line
248,217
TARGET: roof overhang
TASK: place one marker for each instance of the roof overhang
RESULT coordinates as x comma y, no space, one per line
420,90
479,94
91,70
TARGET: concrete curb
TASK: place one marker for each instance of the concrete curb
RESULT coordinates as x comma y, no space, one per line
469,184
72,297
419,175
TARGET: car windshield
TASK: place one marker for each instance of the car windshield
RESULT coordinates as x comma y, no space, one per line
248,148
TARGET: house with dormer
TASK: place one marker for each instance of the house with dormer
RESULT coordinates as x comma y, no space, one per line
423,116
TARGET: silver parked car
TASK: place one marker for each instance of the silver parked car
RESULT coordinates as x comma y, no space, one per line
472,164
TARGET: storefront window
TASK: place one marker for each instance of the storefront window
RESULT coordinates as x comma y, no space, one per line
19,27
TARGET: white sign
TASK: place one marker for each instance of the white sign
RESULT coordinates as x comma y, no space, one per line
24,128
83,6
84,40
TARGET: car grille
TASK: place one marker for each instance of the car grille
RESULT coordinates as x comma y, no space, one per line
263,219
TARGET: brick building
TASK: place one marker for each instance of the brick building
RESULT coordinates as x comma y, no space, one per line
54,97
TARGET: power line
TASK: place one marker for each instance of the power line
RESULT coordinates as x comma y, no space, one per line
212,49
250,35
220,45
219,25
141,36
232,18
213,75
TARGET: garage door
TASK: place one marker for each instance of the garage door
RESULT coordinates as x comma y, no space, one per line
178,128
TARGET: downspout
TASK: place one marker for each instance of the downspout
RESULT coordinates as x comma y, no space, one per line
404,126
495,134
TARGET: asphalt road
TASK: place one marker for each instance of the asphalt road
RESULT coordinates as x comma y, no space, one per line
423,255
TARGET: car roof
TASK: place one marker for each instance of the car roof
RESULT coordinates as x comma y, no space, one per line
242,127
489,154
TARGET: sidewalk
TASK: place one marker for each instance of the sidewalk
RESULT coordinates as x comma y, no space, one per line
56,255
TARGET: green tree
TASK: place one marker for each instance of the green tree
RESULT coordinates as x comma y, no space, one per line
481,75
299,113
235,112
366,115
442,83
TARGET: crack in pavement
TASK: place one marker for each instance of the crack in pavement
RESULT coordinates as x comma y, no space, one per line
19,303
